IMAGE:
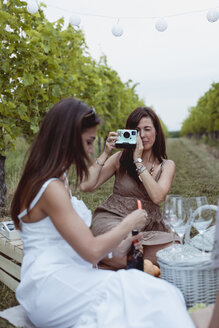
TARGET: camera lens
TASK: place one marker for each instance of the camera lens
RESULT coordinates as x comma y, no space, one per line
126,134
134,133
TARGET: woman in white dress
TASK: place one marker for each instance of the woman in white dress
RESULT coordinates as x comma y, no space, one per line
59,285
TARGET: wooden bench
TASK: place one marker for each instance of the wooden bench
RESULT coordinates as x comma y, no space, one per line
11,255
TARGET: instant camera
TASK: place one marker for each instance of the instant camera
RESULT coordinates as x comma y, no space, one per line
126,139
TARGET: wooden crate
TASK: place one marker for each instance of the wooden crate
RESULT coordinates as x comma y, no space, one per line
11,255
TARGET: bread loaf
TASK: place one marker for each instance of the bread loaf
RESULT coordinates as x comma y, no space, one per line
150,268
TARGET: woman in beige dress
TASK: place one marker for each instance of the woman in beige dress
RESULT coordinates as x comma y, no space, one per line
144,173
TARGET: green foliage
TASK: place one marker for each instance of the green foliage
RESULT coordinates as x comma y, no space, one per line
165,130
41,62
204,117
174,134
37,68
197,307
14,165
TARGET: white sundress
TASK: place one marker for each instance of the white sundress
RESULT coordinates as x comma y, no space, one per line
59,289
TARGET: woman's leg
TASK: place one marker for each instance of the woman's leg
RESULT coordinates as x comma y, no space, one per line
151,250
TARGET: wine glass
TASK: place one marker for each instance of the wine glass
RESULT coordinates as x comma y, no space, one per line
194,203
201,215
174,215
181,227
177,217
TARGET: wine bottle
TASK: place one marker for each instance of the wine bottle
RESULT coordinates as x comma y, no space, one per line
135,257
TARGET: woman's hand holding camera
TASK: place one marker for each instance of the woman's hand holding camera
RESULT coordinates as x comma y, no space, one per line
110,142
138,149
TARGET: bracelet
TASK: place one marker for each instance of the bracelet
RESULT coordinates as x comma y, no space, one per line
99,163
138,160
138,168
141,170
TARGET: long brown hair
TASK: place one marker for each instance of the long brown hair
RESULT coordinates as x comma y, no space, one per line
159,146
56,147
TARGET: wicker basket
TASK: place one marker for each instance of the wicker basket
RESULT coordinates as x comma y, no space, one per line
199,284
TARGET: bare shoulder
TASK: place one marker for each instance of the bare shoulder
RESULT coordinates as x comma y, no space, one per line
53,198
169,163
55,184
55,190
169,166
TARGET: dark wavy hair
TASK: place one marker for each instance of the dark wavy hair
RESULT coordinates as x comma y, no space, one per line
159,146
56,147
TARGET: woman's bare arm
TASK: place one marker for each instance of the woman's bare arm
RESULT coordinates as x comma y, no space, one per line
157,191
100,174
56,203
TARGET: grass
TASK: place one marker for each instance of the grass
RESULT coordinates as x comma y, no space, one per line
14,165
197,169
197,173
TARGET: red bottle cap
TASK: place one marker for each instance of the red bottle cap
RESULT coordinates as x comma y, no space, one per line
139,204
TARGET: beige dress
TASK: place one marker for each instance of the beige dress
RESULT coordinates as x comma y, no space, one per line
126,191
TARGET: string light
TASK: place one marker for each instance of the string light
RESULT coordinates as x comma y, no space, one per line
117,29
32,7
75,20
132,17
212,15
161,24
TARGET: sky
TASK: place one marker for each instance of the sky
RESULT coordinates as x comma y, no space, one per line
173,68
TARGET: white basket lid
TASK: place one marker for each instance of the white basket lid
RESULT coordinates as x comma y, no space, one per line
184,255
206,241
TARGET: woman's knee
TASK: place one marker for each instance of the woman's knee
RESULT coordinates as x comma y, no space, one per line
151,250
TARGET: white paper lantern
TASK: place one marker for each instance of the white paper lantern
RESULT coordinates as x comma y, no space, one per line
117,30
75,20
32,7
161,25
212,15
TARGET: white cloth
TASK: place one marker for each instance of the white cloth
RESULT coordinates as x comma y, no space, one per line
60,289
17,316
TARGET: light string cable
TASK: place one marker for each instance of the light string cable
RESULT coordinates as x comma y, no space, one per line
161,24
132,17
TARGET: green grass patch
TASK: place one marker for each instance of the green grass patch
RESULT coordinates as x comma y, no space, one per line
13,166
197,170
